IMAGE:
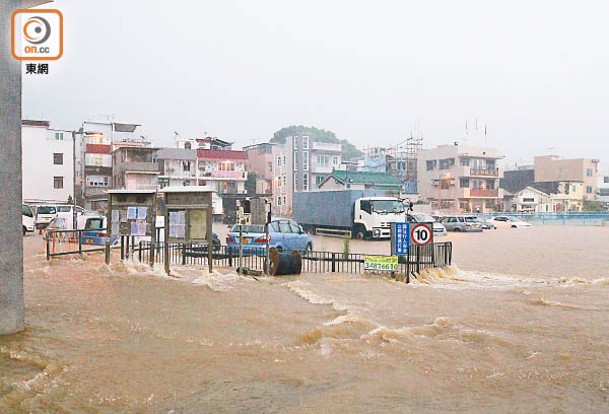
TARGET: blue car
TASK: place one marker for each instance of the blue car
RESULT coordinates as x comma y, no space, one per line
95,232
285,235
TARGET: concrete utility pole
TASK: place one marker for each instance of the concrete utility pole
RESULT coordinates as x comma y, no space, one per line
11,239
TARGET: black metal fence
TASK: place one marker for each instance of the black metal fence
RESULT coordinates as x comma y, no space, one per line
419,257
66,242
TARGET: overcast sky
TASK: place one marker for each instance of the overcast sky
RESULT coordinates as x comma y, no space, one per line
536,73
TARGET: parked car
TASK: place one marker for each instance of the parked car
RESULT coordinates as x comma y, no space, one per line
201,250
27,219
44,214
487,224
438,228
462,222
285,235
509,221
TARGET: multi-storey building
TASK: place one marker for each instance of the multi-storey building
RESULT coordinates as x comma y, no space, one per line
457,178
48,163
177,167
260,161
95,142
135,168
301,164
551,168
220,168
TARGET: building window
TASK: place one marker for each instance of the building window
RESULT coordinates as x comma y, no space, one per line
163,182
59,136
295,140
186,165
431,164
334,160
589,189
589,172
323,160
464,182
490,184
58,158
446,163
278,201
285,201
305,160
295,161
58,183
279,161
295,182
270,167
464,162
284,180
305,182
528,200
318,180
305,143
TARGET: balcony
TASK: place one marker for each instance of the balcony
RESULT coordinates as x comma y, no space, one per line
138,166
484,172
482,193
224,175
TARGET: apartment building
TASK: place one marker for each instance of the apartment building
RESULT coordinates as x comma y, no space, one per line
177,167
458,178
95,142
135,168
220,168
48,163
301,164
260,161
551,168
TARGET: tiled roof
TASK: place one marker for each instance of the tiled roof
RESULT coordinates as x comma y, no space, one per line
205,154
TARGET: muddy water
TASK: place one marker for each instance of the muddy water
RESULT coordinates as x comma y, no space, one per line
519,325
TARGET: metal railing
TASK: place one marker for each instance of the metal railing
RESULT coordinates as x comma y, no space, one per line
419,258
66,242
564,218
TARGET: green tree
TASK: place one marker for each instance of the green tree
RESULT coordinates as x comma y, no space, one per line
349,151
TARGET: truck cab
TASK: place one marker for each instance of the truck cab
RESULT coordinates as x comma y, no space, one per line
372,217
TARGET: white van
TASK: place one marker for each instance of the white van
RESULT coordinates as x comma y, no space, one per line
27,219
44,214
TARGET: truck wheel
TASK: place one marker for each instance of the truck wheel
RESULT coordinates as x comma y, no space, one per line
359,233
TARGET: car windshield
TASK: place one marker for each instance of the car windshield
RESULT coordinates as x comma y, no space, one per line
64,209
248,228
26,210
387,206
423,218
94,224
46,210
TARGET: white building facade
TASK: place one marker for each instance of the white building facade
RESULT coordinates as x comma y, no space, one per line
48,163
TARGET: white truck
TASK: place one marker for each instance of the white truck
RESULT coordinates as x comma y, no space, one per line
365,214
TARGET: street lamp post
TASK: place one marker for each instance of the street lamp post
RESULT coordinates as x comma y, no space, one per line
11,236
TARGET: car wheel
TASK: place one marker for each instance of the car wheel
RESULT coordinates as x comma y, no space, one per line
514,226
457,230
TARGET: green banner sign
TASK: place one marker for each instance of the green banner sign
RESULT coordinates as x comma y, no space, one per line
382,263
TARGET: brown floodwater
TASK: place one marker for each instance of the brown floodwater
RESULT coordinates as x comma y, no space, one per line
518,324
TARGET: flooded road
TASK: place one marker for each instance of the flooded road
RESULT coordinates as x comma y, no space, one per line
518,325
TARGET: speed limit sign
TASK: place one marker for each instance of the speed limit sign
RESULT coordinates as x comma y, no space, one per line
421,234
